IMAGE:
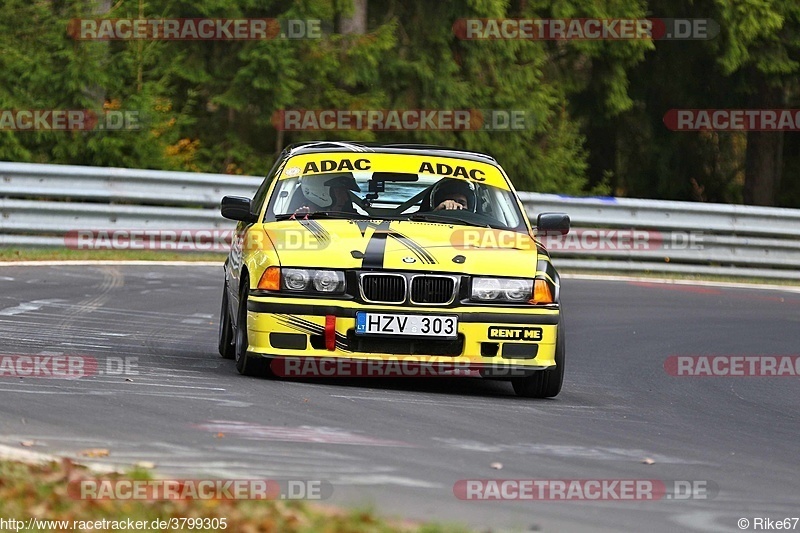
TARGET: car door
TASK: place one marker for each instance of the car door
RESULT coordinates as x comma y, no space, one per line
235,261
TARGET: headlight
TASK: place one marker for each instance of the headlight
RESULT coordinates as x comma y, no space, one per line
502,289
328,281
517,289
295,279
485,288
308,280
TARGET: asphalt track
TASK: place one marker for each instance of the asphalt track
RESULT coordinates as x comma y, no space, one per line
401,444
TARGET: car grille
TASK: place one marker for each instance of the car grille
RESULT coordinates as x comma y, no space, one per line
384,288
393,288
432,289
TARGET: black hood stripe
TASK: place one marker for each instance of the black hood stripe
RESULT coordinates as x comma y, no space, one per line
375,252
417,249
376,247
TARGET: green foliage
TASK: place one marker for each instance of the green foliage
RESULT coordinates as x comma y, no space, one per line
760,33
594,108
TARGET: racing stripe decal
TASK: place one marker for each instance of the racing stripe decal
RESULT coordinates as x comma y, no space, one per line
376,247
363,225
316,229
311,328
544,266
421,253
306,326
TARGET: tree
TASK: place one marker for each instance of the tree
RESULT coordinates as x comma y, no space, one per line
760,50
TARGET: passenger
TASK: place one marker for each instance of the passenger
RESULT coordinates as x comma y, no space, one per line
331,194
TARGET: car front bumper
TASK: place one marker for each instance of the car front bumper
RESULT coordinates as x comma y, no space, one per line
491,337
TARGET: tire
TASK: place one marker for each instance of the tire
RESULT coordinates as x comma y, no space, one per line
227,347
544,383
246,365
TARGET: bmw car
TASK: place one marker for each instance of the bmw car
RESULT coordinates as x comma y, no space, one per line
366,252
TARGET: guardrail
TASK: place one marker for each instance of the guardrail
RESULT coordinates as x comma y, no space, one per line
682,237
40,204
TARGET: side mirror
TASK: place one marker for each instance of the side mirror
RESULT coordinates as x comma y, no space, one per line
552,224
238,208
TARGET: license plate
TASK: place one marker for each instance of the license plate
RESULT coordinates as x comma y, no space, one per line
419,325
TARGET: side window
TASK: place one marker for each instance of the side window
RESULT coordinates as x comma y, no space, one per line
287,197
484,202
261,193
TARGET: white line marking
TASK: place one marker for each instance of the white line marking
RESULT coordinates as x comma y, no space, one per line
598,453
113,392
25,307
85,345
509,407
302,434
29,457
94,380
701,521
372,479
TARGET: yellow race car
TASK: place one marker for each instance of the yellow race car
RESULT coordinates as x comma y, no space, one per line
391,256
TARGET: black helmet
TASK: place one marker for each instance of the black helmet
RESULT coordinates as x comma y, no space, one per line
447,187
343,180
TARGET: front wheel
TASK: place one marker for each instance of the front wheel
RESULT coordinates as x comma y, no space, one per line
227,346
545,383
246,365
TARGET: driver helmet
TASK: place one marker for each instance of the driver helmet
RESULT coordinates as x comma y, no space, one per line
317,189
447,187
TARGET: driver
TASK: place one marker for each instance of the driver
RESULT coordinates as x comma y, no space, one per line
452,193
328,193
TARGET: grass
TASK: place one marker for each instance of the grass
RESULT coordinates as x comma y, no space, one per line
48,492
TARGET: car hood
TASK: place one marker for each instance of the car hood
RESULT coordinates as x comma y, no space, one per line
402,245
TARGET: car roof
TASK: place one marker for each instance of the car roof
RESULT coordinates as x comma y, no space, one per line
310,147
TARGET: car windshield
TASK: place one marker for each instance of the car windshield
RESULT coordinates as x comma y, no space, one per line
395,196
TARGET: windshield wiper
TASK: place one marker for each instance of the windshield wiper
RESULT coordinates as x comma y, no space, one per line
320,214
441,217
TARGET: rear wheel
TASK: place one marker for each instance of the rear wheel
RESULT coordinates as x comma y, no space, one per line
544,383
227,347
247,365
